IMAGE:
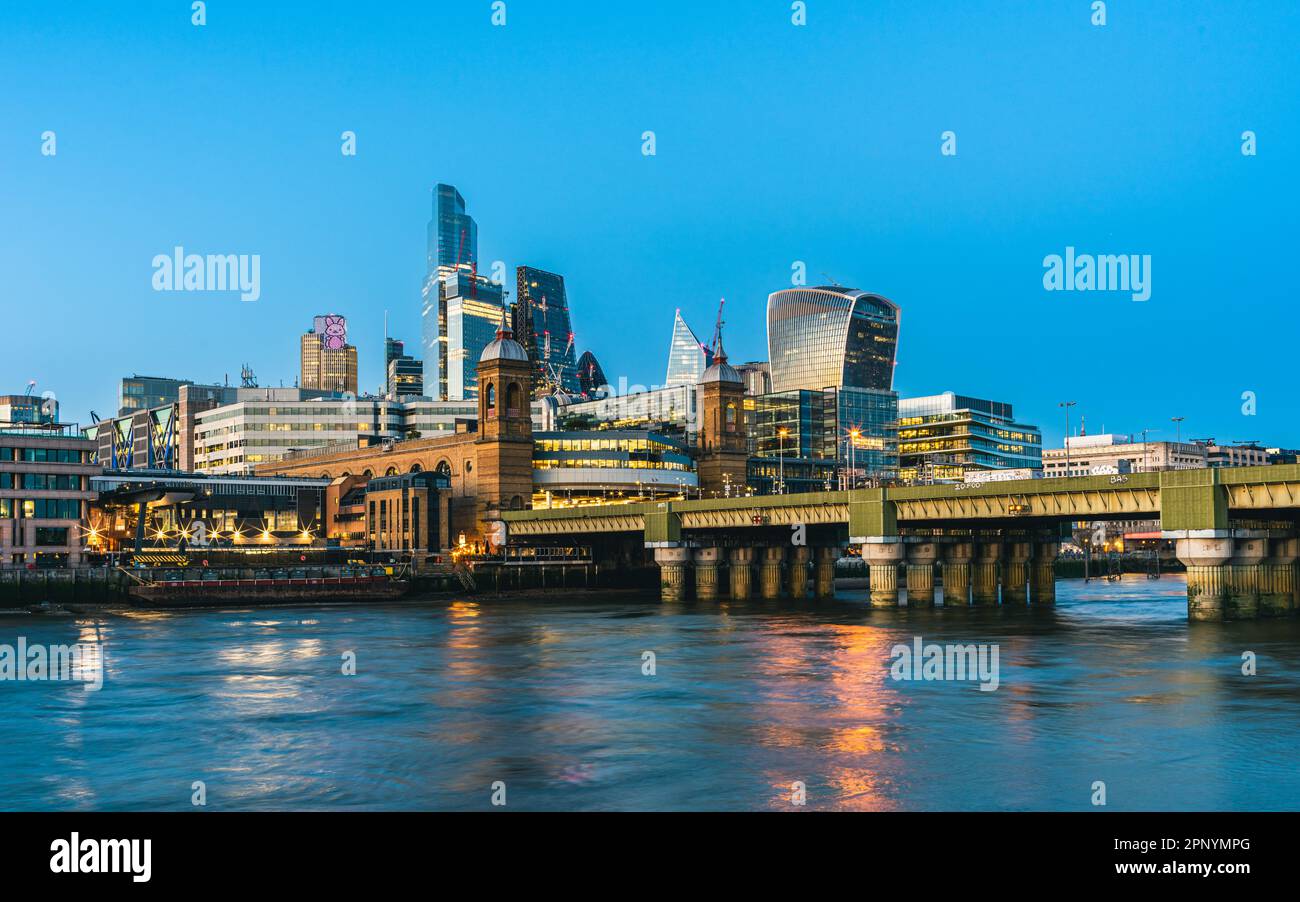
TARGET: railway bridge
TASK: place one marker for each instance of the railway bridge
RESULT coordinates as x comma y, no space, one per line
1234,529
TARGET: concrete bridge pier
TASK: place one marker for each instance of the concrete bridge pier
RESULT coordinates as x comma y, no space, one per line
708,567
1277,578
824,574
1244,578
984,573
1205,559
882,558
769,572
674,573
797,572
920,573
1015,573
1042,573
956,574
742,573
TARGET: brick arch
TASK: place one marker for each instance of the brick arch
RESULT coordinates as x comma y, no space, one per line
416,468
444,465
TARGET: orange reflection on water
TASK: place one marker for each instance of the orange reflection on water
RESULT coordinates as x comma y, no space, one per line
823,688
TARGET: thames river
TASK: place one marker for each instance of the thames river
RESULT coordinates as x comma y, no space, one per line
737,707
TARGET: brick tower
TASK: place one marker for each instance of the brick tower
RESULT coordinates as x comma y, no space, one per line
724,454
505,427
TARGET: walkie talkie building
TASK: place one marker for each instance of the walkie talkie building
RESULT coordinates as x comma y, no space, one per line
841,340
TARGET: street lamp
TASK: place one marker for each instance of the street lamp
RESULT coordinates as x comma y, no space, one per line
781,434
853,467
1067,405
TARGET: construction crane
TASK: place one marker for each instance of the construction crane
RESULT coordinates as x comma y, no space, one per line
31,387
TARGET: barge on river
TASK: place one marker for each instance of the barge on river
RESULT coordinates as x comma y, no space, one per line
179,588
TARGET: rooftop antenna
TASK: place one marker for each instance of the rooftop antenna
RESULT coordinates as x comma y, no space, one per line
832,280
31,386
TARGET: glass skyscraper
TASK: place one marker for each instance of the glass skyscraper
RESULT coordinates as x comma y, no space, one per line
457,304
543,326
688,357
841,340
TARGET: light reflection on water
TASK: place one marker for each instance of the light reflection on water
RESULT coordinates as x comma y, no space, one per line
1113,684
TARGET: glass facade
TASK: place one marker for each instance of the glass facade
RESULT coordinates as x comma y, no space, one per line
543,326
452,272
472,324
824,337
688,357
943,437
147,392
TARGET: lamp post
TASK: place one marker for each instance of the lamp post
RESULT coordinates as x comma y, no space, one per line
853,466
1067,405
781,434
1178,429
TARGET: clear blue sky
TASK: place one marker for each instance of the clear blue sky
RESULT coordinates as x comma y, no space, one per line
776,143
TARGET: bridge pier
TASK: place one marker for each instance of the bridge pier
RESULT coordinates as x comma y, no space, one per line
1244,574
824,575
674,573
882,558
1206,576
1277,581
708,564
742,573
769,572
956,574
984,573
797,572
1015,573
920,574
1042,573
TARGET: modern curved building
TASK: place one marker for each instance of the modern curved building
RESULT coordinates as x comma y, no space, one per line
830,337
831,355
591,378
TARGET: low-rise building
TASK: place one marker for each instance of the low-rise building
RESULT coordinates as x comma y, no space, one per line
1088,455
945,437
45,474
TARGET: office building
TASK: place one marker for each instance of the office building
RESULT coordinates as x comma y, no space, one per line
1099,455
329,363
688,357
591,378
1237,454
405,378
45,473
275,423
671,410
757,376
473,308
595,467
944,437
138,392
459,308
543,326
843,340
28,410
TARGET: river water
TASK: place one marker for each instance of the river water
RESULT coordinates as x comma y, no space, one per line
550,697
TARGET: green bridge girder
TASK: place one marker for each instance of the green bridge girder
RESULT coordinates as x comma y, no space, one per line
1183,500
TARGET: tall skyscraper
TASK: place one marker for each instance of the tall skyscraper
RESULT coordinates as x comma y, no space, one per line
841,340
329,363
591,378
543,326
455,301
688,357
